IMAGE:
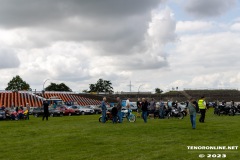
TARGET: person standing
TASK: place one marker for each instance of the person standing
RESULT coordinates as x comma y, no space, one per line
152,106
20,114
128,106
28,108
54,105
104,109
192,112
169,104
119,108
16,109
232,103
144,109
161,109
45,109
139,107
202,108
114,114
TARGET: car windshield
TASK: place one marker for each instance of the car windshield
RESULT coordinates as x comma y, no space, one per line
74,107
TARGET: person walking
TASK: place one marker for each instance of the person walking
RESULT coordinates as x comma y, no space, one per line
119,108
104,109
144,109
202,108
192,112
45,110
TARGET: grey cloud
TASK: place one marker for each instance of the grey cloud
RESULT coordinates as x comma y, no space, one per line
22,13
209,8
9,59
141,62
108,27
113,26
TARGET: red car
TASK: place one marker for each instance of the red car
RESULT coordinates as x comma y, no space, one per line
66,111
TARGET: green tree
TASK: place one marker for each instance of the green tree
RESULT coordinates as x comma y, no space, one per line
58,87
158,91
18,84
85,91
101,86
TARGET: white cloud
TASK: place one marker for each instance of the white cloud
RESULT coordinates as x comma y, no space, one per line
160,32
193,26
235,79
235,26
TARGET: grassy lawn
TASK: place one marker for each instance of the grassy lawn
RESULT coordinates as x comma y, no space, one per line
83,137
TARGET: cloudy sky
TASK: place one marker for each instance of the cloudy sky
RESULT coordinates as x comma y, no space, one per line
152,43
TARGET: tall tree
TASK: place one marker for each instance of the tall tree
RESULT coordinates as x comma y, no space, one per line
58,87
101,86
158,90
18,84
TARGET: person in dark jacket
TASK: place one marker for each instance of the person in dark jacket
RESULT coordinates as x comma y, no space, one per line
114,114
45,109
16,109
144,109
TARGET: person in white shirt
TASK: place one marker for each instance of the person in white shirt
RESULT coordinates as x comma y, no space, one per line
128,106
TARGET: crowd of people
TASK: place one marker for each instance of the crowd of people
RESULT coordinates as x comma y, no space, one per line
17,113
146,107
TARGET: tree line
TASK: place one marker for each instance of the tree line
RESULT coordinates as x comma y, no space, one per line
18,84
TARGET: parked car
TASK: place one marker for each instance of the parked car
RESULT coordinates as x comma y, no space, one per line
31,110
83,110
37,112
97,109
66,111
75,108
55,112
212,104
2,114
133,106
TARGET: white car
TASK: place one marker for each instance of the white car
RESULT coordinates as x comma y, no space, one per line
96,109
83,110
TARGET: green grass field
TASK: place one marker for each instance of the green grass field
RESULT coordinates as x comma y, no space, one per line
83,137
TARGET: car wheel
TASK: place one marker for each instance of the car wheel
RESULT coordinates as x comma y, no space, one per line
83,113
52,115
